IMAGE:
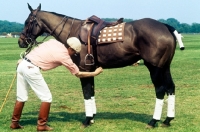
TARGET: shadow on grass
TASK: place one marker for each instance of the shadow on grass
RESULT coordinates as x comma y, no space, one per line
31,118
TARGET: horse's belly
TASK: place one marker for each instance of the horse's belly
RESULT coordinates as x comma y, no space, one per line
116,55
115,61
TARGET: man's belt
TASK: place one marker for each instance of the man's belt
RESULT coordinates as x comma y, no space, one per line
30,61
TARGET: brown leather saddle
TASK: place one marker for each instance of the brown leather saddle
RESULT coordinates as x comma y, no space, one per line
89,33
92,26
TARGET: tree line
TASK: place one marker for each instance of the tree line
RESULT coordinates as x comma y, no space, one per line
10,27
180,27
16,28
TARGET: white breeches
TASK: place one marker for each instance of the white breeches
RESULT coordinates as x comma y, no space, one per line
29,75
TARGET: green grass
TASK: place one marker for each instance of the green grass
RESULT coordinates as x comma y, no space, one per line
125,97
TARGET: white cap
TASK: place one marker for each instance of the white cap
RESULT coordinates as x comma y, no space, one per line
74,43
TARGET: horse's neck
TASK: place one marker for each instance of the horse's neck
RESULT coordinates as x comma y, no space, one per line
71,29
60,27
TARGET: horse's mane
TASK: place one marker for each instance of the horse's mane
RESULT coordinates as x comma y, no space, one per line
61,15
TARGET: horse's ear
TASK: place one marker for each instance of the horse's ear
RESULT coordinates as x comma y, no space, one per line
30,8
39,7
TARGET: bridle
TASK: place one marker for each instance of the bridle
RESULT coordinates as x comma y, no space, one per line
28,32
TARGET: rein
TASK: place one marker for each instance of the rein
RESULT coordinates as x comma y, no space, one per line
70,29
51,32
29,30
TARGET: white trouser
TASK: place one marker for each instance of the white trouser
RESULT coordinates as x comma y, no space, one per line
29,75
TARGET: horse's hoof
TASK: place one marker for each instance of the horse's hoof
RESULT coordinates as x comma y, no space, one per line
149,126
165,125
88,122
92,121
87,125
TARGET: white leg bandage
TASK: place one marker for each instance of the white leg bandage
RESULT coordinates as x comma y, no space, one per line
88,108
158,109
171,106
179,39
94,109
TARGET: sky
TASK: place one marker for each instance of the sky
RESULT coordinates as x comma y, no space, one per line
185,11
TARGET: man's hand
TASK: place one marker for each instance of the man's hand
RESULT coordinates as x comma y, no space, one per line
98,70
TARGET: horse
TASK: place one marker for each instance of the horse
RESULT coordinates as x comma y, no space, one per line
146,39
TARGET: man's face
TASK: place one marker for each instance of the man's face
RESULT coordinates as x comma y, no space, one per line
71,51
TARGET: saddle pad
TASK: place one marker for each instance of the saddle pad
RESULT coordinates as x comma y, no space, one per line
111,34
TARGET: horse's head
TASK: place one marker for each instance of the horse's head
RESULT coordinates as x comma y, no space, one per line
32,29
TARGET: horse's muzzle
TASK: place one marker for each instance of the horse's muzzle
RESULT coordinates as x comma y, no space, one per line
22,44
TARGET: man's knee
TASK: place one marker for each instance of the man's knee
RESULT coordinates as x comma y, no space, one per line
22,99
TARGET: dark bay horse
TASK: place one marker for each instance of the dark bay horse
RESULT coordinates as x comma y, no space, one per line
146,39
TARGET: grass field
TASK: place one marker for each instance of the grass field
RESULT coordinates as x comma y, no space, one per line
125,97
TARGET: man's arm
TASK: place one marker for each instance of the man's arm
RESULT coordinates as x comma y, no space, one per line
89,74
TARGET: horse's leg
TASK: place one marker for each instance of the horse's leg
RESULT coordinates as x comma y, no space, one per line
171,99
89,100
157,78
94,109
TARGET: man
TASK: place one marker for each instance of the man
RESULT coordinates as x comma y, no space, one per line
46,56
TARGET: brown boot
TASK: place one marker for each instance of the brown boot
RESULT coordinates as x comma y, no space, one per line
16,115
43,117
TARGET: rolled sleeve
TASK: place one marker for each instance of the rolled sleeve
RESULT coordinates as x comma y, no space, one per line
70,65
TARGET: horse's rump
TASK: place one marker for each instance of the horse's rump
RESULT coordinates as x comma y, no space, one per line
155,42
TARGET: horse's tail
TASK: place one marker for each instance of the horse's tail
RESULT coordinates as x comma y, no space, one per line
177,35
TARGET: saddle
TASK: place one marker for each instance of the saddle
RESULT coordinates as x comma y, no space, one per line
91,28
89,33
